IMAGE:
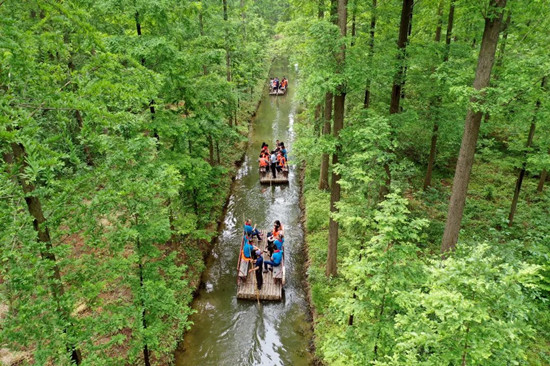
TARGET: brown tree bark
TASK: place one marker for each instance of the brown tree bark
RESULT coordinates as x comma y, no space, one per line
227,52
521,174
404,25
323,176
40,226
366,102
435,129
472,123
339,107
542,180
404,30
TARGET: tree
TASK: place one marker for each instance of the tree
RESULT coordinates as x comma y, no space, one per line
493,20
398,80
522,171
339,110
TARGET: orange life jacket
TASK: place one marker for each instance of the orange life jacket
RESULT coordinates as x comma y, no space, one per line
263,162
282,160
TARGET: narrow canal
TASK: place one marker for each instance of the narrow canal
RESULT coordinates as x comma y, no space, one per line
228,331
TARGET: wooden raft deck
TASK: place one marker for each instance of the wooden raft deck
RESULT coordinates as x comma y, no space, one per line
267,177
271,289
278,92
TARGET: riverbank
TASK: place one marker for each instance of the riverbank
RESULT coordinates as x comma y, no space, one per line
331,299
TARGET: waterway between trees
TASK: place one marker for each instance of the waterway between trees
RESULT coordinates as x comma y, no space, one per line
228,331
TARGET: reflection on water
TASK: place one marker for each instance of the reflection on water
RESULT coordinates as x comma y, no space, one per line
228,331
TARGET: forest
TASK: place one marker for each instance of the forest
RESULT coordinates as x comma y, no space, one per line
419,136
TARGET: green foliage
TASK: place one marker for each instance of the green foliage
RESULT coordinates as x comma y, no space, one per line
499,291
122,134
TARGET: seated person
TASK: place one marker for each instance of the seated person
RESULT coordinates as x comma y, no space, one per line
251,231
276,261
277,230
279,242
249,250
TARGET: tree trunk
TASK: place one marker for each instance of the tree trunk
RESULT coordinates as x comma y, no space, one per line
146,352
521,174
366,102
323,176
339,107
542,180
218,152
404,30
227,53
39,223
405,67
435,129
353,23
472,123
439,21
406,15
87,151
211,150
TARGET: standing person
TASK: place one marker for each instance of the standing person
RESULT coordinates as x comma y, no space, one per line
281,162
271,84
277,85
258,269
283,150
273,161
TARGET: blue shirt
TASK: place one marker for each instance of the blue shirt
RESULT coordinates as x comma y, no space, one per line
259,263
248,229
247,250
277,257
278,244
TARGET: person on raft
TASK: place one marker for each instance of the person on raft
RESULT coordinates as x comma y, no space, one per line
284,83
281,162
249,250
277,259
273,161
251,231
258,264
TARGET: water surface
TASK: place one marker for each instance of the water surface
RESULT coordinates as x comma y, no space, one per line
228,331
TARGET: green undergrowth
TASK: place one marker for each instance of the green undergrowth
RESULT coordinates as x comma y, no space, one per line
498,273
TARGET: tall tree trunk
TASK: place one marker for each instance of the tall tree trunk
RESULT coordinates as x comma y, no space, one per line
435,129
321,9
87,151
366,102
405,67
465,161
146,352
227,52
353,23
40,226
323,176
542,180
521,174
404,29
211,150
339,108
439,21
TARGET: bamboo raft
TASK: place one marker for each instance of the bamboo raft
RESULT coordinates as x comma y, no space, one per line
280,177
278,92
272,288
